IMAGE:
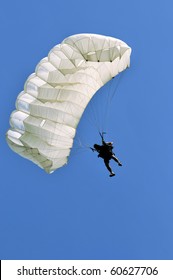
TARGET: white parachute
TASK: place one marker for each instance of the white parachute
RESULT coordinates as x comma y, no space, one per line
54,98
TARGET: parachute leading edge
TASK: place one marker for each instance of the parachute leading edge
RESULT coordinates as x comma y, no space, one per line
54,98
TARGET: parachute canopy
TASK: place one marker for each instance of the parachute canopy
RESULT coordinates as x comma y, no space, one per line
54,98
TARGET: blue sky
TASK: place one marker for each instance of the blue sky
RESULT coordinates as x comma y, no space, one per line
78,212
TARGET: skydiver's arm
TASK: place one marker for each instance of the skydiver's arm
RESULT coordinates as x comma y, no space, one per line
103,141
94,150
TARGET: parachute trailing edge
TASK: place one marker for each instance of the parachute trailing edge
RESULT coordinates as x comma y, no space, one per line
54,98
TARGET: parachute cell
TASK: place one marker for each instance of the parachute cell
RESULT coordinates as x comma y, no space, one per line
54,98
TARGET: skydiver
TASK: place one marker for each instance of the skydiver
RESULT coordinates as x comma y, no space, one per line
105,151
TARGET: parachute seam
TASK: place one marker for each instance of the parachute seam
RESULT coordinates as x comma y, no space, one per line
83,73
70,59
60,70
48,130
46,141
40,163
44,103
74,44
67,134
55,100
57,112
48,144
54,88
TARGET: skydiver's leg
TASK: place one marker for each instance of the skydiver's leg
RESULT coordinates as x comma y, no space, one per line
108,167
117,160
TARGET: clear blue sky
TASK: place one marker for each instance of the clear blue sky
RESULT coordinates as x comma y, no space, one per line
78,212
